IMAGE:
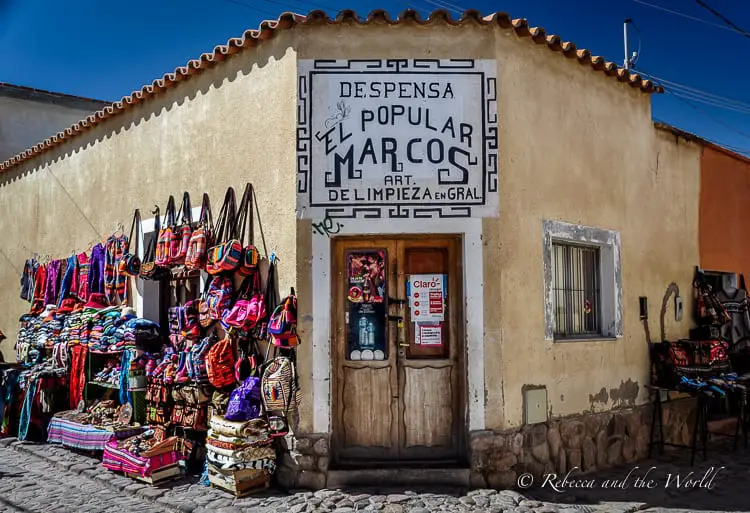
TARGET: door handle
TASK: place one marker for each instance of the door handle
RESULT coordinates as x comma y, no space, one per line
403,345
395,318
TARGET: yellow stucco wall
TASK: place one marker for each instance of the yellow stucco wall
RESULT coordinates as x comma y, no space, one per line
574,146
230,125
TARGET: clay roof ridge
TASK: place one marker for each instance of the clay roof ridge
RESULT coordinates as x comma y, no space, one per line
287,20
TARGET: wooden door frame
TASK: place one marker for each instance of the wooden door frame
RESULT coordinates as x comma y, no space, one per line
462,410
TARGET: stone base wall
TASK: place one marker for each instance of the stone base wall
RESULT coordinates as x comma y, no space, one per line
587,442
304,462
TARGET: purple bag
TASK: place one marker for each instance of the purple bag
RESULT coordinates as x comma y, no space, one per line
245,401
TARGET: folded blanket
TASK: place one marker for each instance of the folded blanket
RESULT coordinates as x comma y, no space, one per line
244,429
236,443
237,487
226,463
244,454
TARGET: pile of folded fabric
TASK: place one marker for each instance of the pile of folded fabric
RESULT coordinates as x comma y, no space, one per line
148,456
240,455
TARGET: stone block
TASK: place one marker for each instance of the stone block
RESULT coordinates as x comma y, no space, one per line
572,434
628,449
589,454
562,462
601,449
477,480
516,443
574,459
504,480
321,447
311,480
554,441
304,445
541,452
323,463
504,463
307,462
614,453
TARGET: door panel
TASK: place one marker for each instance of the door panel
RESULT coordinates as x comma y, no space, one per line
396,399
367,418
428,416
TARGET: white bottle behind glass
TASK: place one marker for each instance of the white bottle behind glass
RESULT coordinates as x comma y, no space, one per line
362,332
370,335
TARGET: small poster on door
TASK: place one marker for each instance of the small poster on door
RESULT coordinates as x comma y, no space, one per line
429,334
367,334
427,293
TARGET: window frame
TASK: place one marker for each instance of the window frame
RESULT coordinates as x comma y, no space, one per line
610,277
568,248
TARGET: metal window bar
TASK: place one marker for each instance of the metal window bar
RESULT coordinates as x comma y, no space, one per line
576,290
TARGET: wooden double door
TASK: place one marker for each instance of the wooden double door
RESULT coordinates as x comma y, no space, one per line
398,351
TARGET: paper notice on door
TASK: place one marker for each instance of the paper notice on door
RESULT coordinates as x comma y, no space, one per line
430,334
427,297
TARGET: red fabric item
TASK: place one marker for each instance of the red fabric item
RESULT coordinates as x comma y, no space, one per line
77,375
40,285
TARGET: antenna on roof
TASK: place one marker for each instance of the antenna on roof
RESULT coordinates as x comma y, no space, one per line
630,58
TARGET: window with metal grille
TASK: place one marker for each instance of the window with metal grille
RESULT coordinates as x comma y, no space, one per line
576,288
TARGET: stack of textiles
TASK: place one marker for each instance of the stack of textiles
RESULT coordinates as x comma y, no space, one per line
240,455
148,457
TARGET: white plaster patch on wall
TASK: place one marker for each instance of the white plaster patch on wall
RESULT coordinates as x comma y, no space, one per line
473,279
609,244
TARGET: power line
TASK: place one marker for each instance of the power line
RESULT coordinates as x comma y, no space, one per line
716,120
447,6
677,13
722,17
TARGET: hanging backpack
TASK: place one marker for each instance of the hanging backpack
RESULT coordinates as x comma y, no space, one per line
201,238
196,363
166,236
280,385
220,363
249,308
219,296
191,328
282,326
245,401
226,253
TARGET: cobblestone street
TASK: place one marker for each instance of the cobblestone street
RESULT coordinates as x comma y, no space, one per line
44,478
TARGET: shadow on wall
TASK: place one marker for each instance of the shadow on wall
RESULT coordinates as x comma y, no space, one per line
238,65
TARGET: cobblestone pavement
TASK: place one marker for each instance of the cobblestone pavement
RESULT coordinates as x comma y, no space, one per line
48,478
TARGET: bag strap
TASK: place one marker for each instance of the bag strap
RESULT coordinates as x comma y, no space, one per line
169,215
224,229
245,222
134,229
205,216
260,224
150,253
187,209
271,294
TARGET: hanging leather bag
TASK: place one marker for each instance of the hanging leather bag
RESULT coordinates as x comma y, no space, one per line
179,245
201,238
149,269
226,253
130,263
166,235
245,229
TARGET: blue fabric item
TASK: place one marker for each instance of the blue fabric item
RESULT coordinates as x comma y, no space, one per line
67,280
125,378
28,403
8,390
204,476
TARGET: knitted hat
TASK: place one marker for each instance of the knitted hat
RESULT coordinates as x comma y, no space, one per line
97,302
67,306
128,311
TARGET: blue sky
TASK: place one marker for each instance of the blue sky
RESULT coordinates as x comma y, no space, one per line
105,49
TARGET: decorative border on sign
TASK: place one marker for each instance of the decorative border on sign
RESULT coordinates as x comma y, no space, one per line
489,164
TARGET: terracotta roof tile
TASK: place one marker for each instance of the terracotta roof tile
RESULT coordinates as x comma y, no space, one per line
288,20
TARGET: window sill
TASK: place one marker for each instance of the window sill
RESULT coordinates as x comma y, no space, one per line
601,338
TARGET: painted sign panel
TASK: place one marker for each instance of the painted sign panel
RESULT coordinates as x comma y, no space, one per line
427,297
397,138
429,335
366,303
